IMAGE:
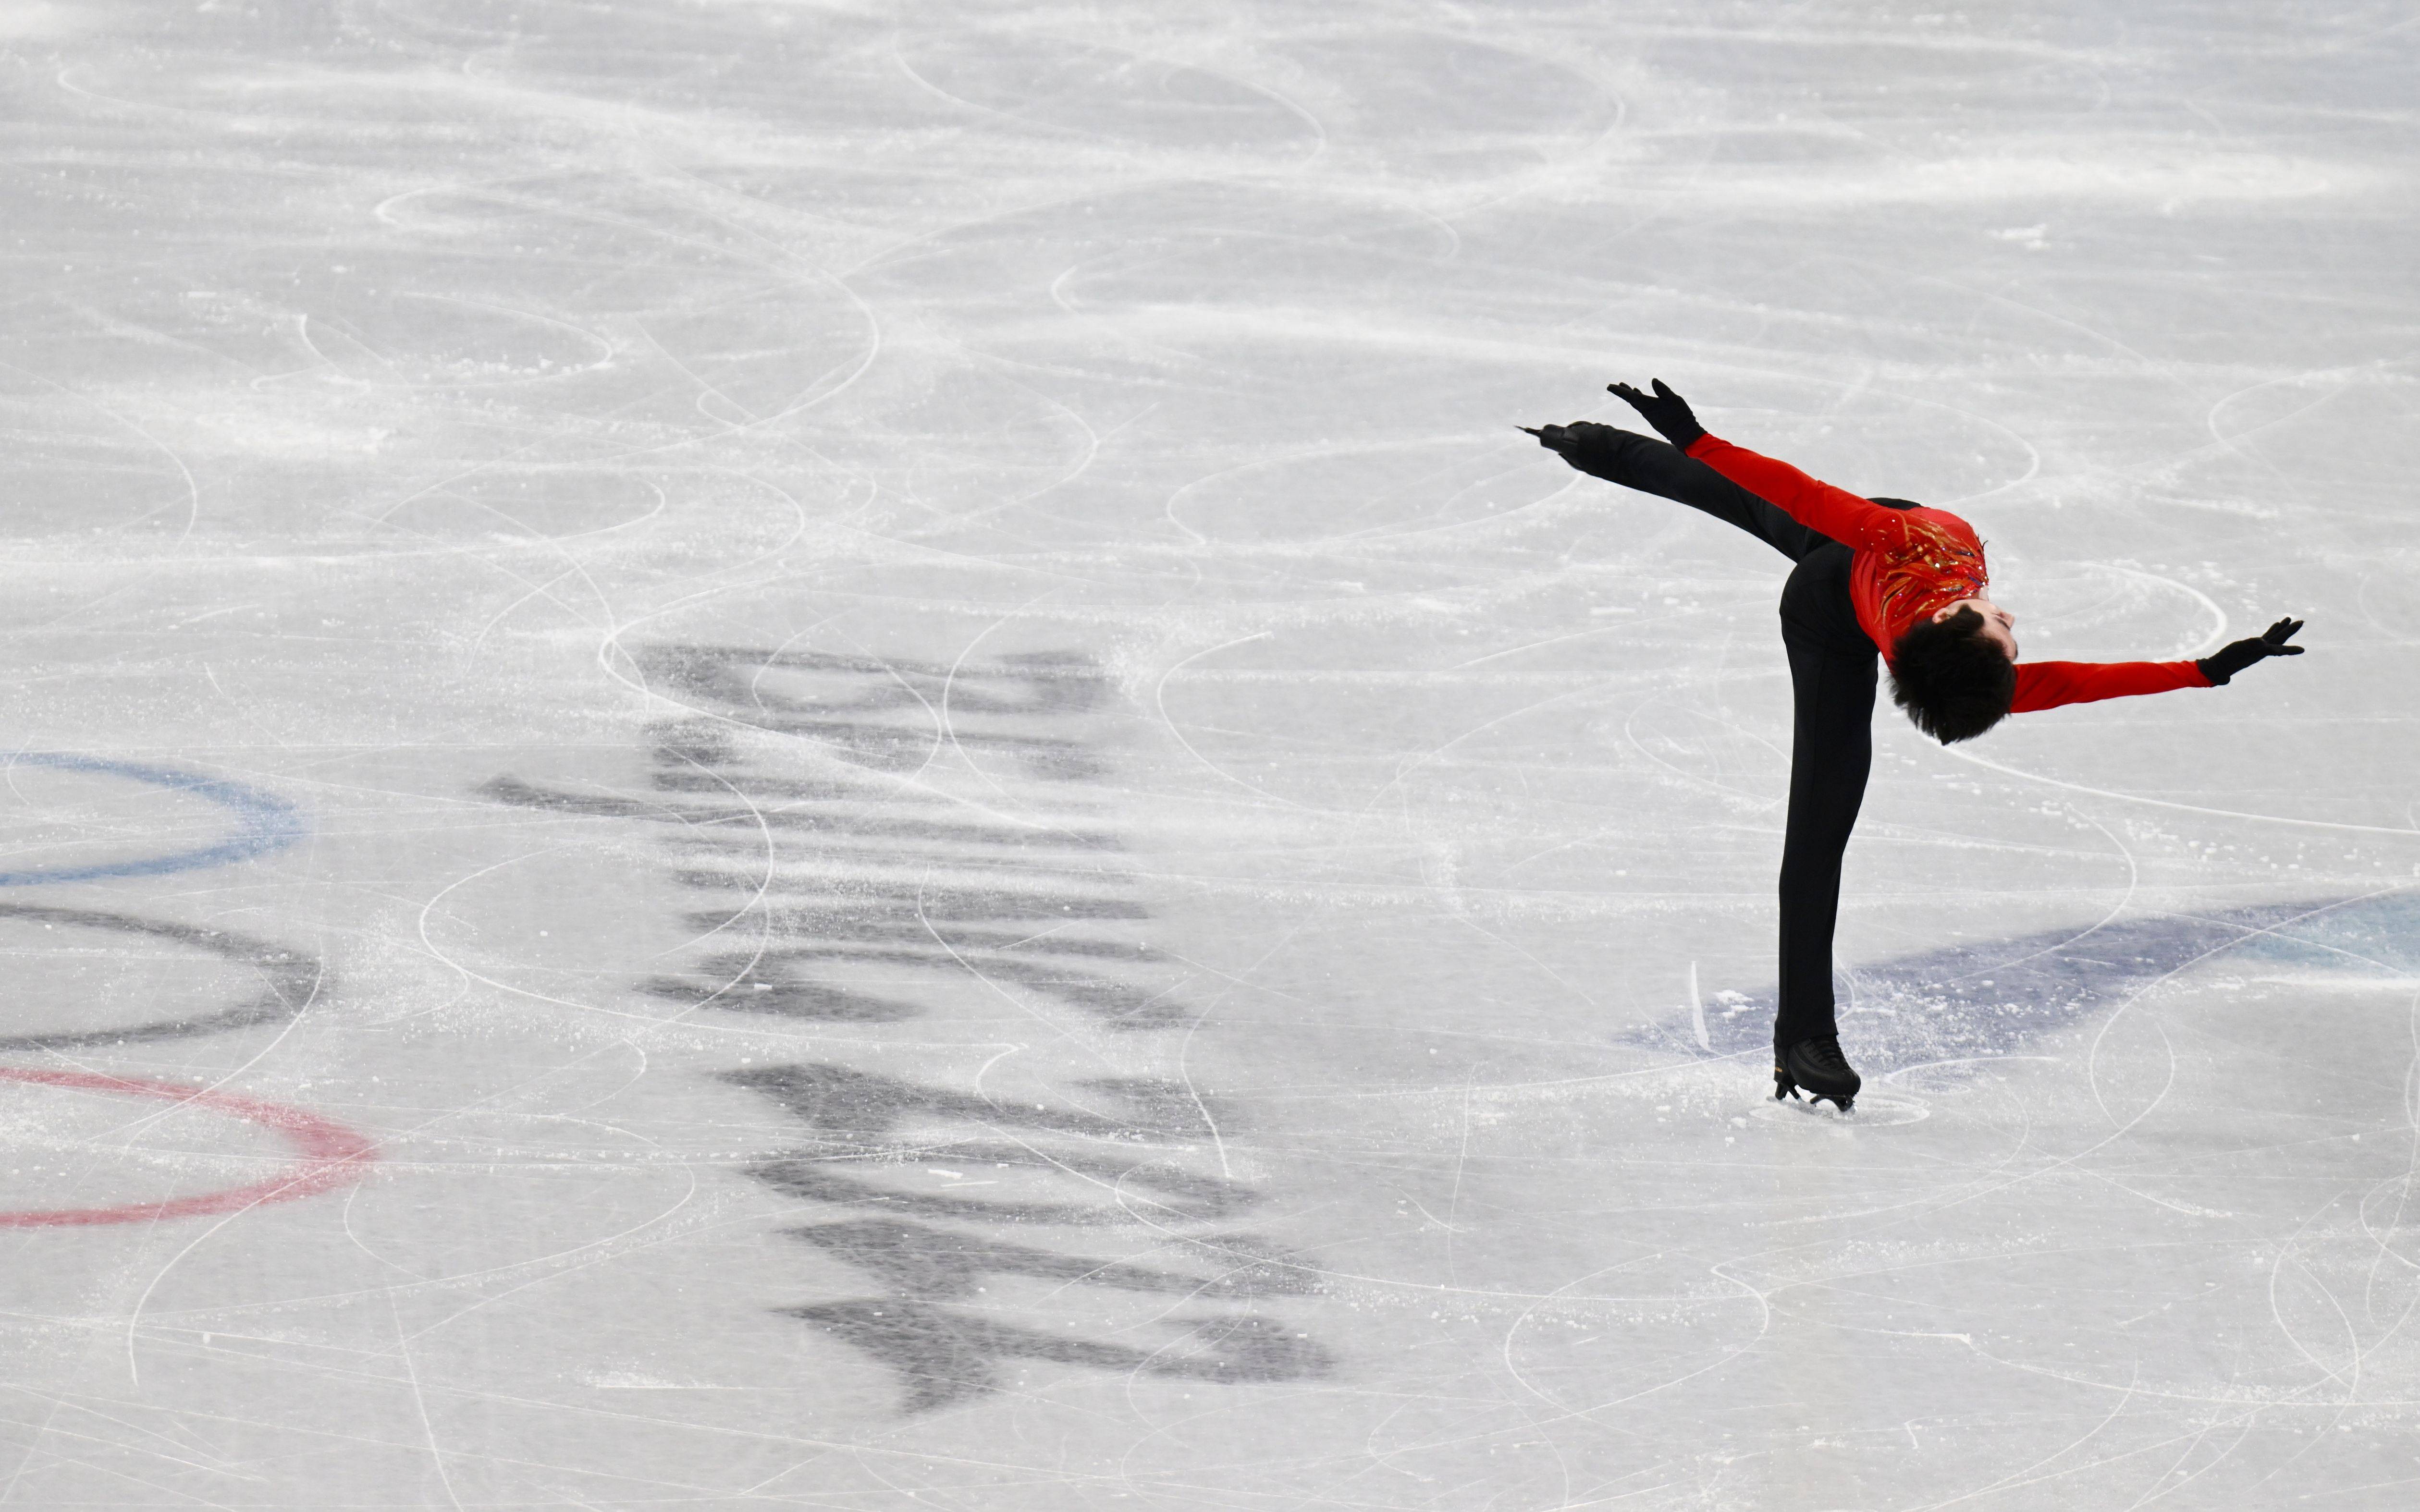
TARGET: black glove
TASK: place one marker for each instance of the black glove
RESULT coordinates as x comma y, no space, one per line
2234,657
1594,449
1664,409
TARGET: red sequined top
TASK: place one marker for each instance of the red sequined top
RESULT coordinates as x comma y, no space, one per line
1909,563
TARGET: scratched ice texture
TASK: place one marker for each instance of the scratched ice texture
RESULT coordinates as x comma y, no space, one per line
835,755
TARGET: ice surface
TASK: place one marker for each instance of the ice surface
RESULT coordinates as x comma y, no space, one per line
835,755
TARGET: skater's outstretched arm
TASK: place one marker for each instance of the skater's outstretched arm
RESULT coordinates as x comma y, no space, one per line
2048,685
1834,512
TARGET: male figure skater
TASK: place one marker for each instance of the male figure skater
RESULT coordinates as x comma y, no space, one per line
1873,575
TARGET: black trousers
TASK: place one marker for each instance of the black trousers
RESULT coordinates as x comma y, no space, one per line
1832,672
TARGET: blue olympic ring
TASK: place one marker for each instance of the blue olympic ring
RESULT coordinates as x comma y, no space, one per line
264,822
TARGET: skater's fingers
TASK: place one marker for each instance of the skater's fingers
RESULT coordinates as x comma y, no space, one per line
1662,392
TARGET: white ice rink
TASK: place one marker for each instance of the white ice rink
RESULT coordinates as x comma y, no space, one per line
835,755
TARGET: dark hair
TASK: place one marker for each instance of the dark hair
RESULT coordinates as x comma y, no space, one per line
1894,503
1951,681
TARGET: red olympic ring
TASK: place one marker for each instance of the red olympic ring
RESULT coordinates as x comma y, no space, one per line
332,1155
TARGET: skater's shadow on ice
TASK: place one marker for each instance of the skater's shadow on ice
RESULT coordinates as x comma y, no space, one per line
1998,997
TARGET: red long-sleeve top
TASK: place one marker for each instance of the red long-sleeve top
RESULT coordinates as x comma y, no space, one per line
1910,562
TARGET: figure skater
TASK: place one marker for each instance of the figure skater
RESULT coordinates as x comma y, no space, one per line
1871,574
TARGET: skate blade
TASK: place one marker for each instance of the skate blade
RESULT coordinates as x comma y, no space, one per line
1785,1086
1874,1110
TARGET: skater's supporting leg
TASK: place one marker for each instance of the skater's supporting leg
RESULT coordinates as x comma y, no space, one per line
1659,467
1832,670
1831,752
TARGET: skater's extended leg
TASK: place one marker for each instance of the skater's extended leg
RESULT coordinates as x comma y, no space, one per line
1659,467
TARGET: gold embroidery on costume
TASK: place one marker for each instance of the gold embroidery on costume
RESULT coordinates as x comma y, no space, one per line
1930,568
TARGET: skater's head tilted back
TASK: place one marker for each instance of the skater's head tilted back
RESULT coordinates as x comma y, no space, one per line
1955,672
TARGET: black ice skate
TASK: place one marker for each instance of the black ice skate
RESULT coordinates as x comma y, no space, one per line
1818,1066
